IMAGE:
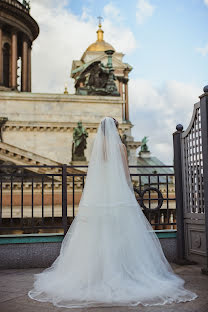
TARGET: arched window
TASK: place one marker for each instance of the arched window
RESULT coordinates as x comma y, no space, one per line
6,61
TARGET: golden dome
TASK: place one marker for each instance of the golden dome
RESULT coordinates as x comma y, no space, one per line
100,44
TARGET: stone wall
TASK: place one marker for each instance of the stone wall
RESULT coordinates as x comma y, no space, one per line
44,123
42,251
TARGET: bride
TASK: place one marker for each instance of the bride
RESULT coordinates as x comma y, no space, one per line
110,255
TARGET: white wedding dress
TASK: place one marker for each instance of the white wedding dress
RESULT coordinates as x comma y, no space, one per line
110,255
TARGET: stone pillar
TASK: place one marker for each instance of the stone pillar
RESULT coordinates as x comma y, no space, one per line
126,79
1,56
126,102
29,69
24,86
14,60
121,88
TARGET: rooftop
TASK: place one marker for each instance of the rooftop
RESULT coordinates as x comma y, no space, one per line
148,160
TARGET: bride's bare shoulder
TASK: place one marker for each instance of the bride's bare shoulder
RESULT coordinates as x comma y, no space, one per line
123,145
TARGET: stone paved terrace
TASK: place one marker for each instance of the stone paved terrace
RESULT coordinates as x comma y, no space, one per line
15,283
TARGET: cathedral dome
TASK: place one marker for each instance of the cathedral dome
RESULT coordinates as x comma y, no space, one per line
100,44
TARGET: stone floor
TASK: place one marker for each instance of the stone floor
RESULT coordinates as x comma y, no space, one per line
14,285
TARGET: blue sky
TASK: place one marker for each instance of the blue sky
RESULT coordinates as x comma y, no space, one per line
164,40
167,41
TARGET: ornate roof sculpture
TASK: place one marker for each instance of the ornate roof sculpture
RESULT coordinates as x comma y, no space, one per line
96,78
98,72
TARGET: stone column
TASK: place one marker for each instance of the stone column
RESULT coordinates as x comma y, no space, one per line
126,79
14,60
126,102
24,74
29,69
1,56
121,88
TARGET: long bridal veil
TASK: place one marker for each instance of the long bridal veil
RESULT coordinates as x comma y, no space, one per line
110,255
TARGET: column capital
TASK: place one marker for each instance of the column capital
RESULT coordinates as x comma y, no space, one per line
29,44
14,30
122,79
126,72
25,38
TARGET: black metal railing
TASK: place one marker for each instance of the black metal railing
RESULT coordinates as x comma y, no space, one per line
36,199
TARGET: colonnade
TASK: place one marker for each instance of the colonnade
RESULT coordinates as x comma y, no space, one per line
17,40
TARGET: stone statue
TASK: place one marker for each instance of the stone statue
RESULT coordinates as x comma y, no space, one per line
124,141
3,120
97,79
79,143
26,4
11,169
144,147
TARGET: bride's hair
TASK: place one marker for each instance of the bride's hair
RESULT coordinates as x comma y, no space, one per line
103,124
116,122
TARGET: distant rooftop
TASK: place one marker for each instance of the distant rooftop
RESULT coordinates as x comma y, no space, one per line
153,161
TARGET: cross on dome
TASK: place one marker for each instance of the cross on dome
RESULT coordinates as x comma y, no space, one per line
100,18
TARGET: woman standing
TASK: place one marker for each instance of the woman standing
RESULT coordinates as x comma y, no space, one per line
110,255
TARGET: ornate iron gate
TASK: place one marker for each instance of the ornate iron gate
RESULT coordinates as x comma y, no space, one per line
191,173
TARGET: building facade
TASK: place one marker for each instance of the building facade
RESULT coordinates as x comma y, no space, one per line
37,128
42,124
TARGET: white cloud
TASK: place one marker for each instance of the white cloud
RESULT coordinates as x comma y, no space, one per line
112,12
144,10
122,39
155,112
63,38
206,2
203,51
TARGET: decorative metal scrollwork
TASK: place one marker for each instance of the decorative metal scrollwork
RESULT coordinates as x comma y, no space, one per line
141,199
